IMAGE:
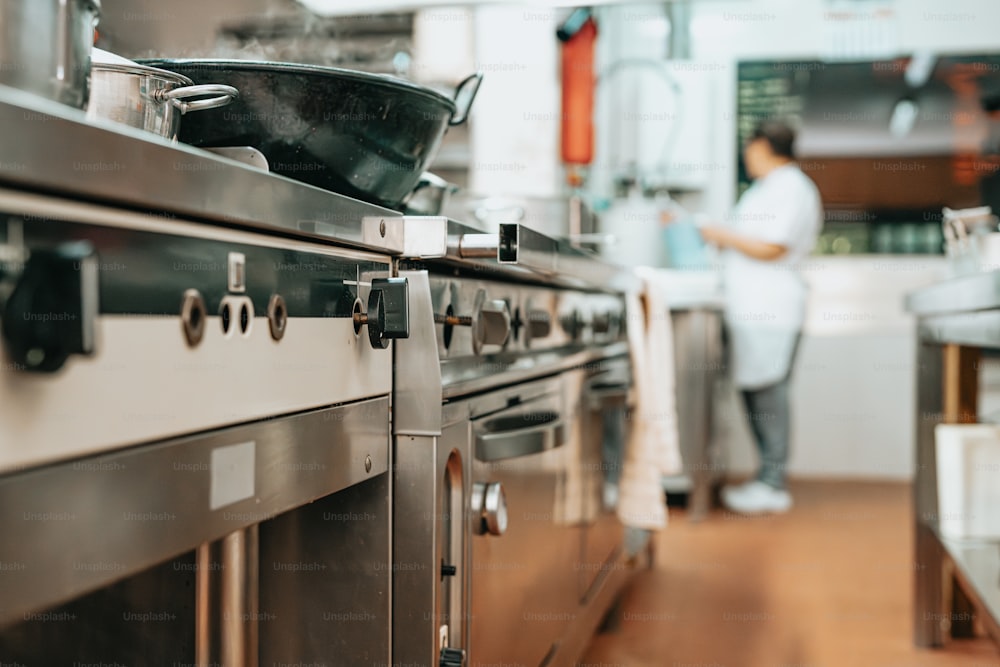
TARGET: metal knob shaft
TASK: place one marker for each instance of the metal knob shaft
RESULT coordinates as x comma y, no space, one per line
490,323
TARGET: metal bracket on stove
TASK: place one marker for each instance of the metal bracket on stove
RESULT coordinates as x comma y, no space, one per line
534,255
417,387
416,236
524,246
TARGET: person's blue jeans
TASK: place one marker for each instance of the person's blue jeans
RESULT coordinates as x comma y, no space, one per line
770,422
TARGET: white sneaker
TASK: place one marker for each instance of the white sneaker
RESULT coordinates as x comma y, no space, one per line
755,497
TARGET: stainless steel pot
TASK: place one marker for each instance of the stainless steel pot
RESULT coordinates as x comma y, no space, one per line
363,135
45,47
148,98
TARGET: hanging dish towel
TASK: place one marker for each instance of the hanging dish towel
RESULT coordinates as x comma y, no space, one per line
653,448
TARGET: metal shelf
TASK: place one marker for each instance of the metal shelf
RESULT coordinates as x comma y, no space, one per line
83,524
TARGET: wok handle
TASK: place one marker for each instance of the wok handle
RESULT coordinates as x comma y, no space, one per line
465,93
225,95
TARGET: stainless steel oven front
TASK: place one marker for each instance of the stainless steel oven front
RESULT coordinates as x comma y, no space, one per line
525,511
194,442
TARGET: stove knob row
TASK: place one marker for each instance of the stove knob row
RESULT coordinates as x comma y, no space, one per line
387,317
606,324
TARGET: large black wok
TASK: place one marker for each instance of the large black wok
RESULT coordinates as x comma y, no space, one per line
367,136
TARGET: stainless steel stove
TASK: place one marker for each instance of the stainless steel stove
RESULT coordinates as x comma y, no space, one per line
195,410
510,495
287,425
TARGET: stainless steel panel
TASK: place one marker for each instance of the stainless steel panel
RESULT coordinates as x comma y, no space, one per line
604,429
84,524
430,528
534,557
417,377
697,364
47,146
325,580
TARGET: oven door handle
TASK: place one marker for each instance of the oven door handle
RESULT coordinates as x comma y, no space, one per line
521,435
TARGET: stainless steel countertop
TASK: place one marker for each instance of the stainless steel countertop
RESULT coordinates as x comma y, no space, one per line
964,294
963,310
51,148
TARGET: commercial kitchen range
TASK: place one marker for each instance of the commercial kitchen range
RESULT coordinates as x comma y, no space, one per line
249,421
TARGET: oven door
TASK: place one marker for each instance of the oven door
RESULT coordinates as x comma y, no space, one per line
524,590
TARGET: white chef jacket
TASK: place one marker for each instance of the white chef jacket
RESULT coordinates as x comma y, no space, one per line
765,301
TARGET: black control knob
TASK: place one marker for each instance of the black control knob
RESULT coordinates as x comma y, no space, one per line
452,657
52,311
388,312
448,570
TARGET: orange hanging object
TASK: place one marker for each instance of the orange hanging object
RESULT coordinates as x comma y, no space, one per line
578,84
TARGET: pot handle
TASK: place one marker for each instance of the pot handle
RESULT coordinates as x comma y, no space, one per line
225,95
465,93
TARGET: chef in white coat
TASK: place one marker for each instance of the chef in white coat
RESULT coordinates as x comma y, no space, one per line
774,227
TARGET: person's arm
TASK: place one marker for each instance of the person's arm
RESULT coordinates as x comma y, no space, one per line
726,238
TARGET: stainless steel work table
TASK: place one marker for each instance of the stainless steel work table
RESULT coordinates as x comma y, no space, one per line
695,303
956,581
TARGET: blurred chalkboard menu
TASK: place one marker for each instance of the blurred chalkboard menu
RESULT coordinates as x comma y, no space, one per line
769,89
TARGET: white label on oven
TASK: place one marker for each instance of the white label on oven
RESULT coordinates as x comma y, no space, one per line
233,469
237,272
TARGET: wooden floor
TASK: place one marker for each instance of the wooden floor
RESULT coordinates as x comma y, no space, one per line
827,585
